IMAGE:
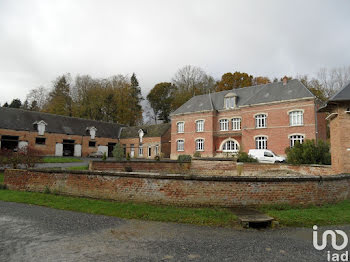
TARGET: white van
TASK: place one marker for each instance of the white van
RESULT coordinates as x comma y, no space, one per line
266,156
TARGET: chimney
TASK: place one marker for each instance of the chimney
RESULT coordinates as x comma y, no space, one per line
285,80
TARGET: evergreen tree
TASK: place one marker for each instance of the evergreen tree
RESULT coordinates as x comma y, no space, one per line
60,102
16,103
6,105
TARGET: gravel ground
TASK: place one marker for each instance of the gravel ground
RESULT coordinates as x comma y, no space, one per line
32,233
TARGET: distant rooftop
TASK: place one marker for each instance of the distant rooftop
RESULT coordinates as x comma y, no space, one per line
341,96
246,96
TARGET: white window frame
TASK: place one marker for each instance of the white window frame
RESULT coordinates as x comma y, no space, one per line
199,144
261,120
180,127
230,146
230,102
260,142
156,150
224,124
200,125
236,123
182,143
296,118
294,138
140,150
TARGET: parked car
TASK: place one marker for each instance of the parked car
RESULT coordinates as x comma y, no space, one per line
96,154
266,156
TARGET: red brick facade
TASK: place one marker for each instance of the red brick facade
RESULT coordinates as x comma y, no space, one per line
277,131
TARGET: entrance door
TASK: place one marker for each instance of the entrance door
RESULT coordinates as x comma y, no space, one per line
59,149
68,147
110,149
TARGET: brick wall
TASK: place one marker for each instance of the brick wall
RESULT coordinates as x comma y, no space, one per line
184,190
53,138
209,167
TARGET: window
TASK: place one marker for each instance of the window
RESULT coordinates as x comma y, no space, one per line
180,145
261,142
149,151
124,149
296,118
132,150
230,100
223,125
199,145
296,138
199,125
181,127
260,121
268,154
40,140
92,143
157,150
236,124
230,146
140,150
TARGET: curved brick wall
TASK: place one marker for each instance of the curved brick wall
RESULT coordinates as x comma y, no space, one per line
184,189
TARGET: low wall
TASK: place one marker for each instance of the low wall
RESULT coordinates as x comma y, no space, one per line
184,190
210,167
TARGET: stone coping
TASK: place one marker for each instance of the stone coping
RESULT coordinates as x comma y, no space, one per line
141,161
194,177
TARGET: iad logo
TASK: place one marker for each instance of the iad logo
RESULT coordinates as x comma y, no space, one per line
333,236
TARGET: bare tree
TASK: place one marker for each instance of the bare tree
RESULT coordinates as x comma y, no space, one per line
37,97
333,79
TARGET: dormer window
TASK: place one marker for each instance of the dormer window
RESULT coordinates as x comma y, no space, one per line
41,126
230,100
92,131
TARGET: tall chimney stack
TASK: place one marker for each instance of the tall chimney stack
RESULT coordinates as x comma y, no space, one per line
285,80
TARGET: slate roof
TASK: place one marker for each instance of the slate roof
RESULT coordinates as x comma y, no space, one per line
341,96
246,96
150,130
18,119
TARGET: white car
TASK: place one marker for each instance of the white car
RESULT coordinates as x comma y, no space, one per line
266,156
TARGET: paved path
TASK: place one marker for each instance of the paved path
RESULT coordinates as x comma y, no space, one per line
32,233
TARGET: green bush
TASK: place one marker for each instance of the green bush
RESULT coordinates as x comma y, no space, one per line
184,158
128,156
157,158
118,152
309,153
197,154
104,157
244,157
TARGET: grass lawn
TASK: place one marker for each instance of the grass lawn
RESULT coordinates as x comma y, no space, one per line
78,168
198,216
330,214
49,159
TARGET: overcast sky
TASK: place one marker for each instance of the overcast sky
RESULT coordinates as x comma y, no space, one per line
40,40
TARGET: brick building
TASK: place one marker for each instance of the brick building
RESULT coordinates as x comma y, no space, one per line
69,136
338,107
271,116
146,141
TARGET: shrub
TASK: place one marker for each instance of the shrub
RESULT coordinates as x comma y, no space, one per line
244,157
197,154
104,157
157,158
184,158
309,153
26,156
128,156
118,152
